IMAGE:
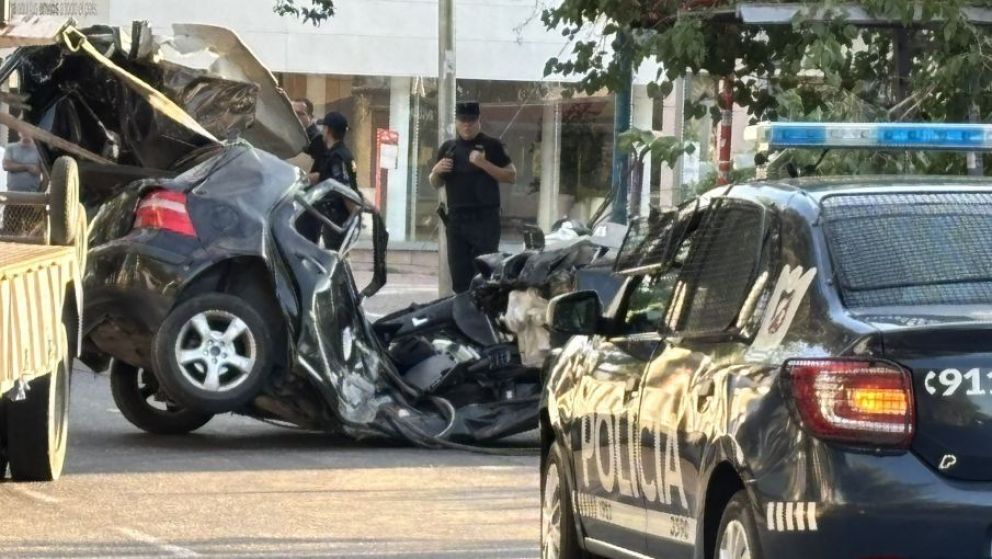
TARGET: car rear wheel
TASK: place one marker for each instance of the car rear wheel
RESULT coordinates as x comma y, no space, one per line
738,534
38,427
559,539
213,353
140,400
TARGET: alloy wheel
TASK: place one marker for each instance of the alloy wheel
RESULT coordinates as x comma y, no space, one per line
733,543
216,351
551,515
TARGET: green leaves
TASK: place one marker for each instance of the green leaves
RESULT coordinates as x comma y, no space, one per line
817,67
316,13
661,149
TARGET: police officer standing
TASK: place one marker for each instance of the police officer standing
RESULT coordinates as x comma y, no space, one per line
471,168
316,147
336,162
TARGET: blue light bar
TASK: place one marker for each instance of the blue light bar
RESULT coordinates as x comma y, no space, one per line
953,137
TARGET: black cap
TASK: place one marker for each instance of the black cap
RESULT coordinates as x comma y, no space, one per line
335,121
468,109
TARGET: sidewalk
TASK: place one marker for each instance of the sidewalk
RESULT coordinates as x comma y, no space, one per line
401,290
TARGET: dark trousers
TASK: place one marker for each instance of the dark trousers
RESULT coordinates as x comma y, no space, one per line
470,234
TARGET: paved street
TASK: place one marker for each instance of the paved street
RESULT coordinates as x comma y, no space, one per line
242,488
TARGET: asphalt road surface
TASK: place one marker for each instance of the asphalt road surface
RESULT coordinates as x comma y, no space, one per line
240,488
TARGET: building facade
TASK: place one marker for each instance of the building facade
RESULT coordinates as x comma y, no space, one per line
376,62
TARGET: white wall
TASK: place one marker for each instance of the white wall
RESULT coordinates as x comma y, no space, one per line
496,39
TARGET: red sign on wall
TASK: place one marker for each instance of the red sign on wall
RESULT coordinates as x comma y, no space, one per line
387,145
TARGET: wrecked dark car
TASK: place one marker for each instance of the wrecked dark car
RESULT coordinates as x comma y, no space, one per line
213,285
500,323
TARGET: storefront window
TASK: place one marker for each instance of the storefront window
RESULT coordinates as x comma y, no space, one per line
561,148
586,156
424,150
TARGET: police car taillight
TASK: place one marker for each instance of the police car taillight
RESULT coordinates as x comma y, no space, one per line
857,402
164,210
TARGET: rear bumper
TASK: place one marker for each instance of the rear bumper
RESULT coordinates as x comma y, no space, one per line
893,507
130,289
853,532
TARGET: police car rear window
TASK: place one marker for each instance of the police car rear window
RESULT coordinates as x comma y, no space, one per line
911,248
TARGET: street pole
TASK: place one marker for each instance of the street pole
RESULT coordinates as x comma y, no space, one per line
678,173
726,129
446,92
976,163
621,124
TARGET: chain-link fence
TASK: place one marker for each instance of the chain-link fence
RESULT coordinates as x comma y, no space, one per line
22,222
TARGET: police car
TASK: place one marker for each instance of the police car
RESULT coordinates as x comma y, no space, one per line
792,369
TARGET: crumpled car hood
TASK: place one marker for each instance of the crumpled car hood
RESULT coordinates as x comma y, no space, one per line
220,52
149,101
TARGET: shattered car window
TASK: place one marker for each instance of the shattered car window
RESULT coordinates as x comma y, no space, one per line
911,248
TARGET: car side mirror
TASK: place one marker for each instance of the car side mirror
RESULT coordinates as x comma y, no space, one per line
576,313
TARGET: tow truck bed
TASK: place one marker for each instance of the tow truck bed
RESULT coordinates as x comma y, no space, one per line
32,293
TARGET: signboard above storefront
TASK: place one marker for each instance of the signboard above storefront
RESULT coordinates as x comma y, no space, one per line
85,12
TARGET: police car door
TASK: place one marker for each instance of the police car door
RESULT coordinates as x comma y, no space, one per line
716,271
606,462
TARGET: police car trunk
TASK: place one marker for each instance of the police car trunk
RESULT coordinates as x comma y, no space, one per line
912,258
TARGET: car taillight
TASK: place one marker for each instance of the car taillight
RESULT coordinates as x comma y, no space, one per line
859,402
165,210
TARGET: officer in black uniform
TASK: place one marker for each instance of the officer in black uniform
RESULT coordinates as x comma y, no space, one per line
471,168
336,163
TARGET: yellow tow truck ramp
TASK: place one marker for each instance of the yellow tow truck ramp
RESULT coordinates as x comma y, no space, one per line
42,257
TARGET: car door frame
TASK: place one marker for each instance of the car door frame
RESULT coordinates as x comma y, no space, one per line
677,534
611,525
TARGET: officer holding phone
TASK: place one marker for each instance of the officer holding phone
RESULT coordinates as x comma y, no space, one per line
471,168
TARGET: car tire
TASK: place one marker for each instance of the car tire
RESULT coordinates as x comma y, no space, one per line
38,427
63,201
202,365
737,537
559,537
133,388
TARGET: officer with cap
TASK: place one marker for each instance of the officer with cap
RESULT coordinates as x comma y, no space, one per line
471,168
336,162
